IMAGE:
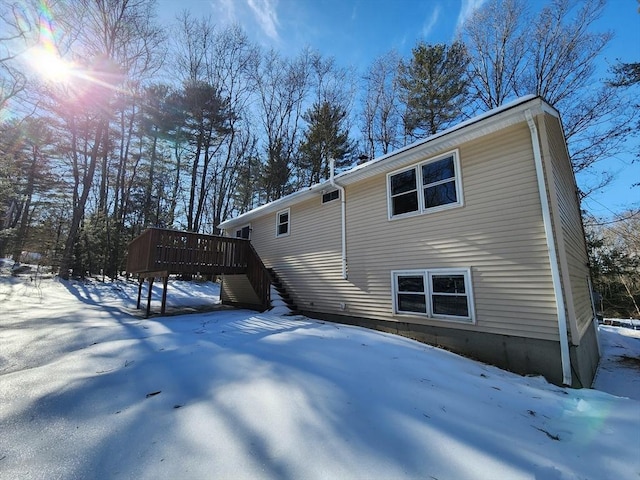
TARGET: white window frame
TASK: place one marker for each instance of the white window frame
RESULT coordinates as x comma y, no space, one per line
288,222
428,274
420,187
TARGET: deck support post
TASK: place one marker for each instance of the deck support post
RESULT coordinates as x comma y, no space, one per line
164,275
158,252
140,282
165,280
151,279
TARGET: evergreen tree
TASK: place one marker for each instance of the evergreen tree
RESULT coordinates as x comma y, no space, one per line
326,138
614,257
25,177
433,87
276,181
207,123
627,74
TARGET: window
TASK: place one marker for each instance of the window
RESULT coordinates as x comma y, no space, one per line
333,195
438,293
430,186
282,223
448,295
244,232
411,293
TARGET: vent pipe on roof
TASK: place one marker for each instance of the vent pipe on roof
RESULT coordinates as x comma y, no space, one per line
343,213
553,255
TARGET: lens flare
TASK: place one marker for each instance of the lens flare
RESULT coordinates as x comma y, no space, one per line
49,65
45,58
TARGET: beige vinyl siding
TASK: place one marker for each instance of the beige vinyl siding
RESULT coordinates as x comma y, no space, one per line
498,233
236,289
572,247
308,259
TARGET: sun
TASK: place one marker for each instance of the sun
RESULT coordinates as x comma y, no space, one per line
49,65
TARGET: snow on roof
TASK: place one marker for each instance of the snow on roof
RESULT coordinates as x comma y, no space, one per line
488,122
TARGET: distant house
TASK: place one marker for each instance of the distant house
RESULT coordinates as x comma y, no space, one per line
471,240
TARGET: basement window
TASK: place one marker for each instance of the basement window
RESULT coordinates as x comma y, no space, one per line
436,293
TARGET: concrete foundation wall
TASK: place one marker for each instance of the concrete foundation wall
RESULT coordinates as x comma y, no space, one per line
521,355
585,358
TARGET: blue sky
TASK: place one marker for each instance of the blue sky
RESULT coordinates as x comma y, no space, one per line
356,32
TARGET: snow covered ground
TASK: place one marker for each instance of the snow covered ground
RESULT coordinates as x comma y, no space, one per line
90,389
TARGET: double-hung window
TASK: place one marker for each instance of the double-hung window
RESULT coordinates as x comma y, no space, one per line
282,223
429,186
437,293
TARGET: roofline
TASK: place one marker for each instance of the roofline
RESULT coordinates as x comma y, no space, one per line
497,119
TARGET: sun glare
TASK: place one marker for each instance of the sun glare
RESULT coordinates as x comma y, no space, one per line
49,66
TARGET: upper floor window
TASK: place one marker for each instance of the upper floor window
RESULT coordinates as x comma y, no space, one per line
332,195
429,186
244,232
282,223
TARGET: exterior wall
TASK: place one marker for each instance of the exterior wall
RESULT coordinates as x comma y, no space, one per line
498,234
237,290
521,355
572,253
572,247
585,357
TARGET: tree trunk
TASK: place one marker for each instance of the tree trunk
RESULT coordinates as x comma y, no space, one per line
78,208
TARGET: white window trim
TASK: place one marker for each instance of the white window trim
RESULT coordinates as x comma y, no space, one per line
428,274
420,187
288,212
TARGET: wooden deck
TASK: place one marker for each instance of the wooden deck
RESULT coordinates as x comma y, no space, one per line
158,253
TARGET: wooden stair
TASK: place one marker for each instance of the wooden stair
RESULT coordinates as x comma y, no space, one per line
282,292
160,252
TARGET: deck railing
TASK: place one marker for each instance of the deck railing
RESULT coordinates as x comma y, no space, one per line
178,252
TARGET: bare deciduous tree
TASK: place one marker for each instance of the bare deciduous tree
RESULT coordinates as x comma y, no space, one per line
496,41
381,117
282,87
112,40
553,54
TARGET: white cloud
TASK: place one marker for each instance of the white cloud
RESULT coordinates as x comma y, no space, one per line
266,16
226,10
431,22
466,10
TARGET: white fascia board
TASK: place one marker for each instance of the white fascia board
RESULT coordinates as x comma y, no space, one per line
489,122
276,205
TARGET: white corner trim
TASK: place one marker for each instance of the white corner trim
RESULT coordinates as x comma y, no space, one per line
553,255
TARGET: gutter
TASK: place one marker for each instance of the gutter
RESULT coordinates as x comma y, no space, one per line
343,214
553,255
492,121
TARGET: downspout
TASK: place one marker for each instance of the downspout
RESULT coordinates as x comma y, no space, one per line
343,214
553,255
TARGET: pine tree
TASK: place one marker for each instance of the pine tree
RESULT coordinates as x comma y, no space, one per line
326,138
434,87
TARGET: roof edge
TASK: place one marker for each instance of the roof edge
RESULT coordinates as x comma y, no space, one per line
488,122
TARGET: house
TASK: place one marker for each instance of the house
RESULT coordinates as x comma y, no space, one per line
471,240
